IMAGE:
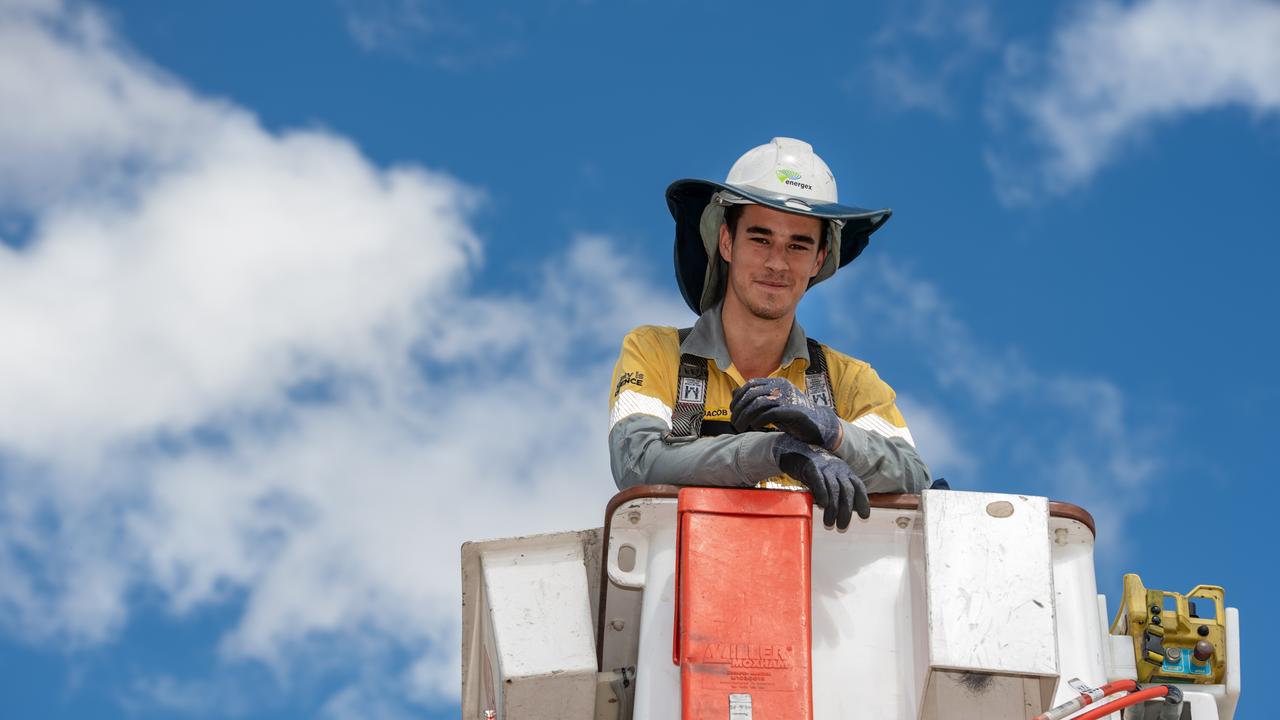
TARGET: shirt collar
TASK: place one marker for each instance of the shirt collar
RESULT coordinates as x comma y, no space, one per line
707,341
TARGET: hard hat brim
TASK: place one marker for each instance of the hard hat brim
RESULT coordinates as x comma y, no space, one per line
686,199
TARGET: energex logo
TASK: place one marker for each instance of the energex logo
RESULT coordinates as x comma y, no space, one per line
792,178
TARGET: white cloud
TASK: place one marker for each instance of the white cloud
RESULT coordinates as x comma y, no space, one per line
72,136
359,702
1113,72
920,55
432,31
247,366
175,696
387,26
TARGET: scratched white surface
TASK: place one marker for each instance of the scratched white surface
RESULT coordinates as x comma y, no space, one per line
989,584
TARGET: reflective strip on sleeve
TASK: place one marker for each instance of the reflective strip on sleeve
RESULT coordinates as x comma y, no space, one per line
630,403
872,422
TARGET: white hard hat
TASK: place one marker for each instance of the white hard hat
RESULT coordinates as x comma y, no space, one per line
785,174
789,167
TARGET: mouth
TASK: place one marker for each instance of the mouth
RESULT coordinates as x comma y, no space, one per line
774,284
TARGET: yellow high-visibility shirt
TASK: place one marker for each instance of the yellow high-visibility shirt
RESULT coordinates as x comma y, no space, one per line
877,444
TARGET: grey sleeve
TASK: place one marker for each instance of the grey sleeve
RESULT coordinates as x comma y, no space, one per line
886,465
638,455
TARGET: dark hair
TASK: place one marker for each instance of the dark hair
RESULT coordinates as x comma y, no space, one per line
731,215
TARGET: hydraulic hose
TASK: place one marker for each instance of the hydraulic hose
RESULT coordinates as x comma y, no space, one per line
1088,698
1121,703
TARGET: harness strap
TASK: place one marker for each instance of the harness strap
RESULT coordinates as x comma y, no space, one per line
817,383
691,389
691,394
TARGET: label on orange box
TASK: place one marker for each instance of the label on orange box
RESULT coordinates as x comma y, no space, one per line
742,617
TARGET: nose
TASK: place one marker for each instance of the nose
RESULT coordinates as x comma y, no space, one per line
776,259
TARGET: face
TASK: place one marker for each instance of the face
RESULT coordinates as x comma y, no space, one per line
771,257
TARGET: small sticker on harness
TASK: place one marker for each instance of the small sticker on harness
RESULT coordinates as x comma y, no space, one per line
818,390
739,706
692,390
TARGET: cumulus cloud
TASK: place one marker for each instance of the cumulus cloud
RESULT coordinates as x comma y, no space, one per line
247,367
55,140
1112,72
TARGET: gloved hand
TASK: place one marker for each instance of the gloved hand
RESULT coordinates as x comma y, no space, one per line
775,401
834,486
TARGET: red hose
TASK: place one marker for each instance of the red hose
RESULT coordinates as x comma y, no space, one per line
1121,703
1075,704
1112,688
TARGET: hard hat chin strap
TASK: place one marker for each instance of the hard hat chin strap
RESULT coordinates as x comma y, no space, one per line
726,198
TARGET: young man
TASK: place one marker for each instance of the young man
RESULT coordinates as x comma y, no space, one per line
744,398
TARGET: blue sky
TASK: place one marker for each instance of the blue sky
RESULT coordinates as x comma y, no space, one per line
299,296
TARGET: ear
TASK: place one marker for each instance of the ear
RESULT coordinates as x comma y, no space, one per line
726,243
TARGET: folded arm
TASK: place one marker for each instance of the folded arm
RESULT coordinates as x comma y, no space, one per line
887,464
875,444
639,455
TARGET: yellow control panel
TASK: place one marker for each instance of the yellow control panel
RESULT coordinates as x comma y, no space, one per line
1177,638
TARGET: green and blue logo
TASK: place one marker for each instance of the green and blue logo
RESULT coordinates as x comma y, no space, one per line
792,178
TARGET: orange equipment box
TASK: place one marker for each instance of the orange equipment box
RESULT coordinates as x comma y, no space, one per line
742,626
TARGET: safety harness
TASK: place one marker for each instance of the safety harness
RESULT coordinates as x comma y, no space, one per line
691,390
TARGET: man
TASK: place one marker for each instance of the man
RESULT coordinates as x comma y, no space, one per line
744,398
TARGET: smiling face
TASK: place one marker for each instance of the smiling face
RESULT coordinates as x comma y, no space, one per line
772,255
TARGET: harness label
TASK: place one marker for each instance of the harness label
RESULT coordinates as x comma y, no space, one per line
692,390
818,390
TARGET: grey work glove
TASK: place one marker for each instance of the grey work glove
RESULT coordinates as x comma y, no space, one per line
834,486
775,401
